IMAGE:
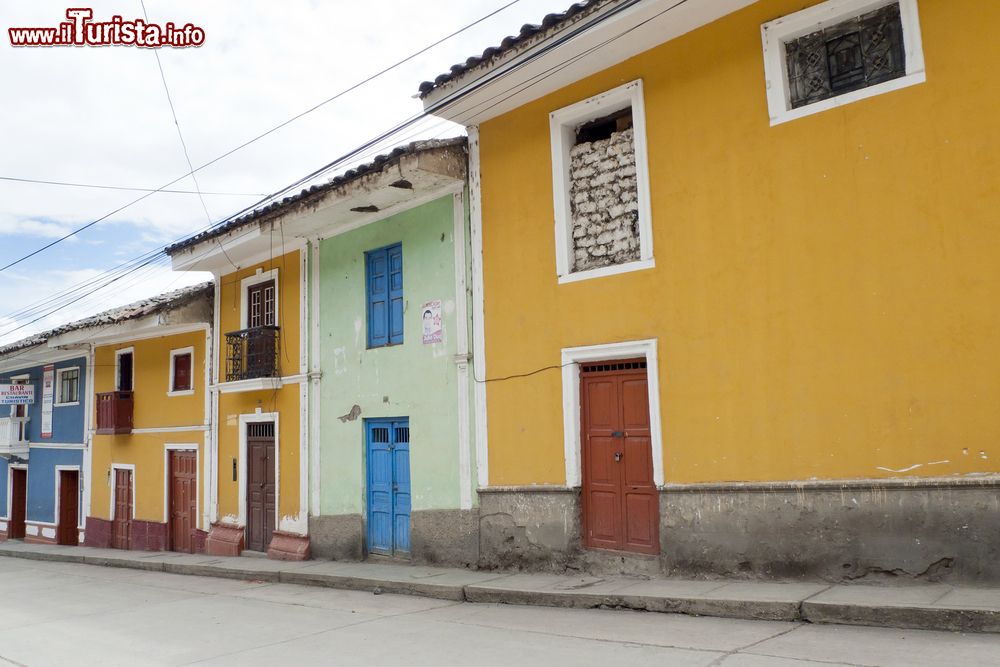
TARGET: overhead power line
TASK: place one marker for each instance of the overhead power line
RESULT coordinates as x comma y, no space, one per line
126,188
260,136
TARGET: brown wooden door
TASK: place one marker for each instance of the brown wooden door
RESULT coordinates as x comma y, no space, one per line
620,501
183,499
121,525
260,486
18,502
69,508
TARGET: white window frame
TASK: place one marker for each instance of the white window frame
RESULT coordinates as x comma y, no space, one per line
260,277
562,128
775,34
118,356
572,439
20,379
59,374
170,382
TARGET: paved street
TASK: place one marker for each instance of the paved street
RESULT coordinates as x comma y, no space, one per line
66,613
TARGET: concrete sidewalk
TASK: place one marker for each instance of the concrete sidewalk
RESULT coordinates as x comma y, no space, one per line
927,607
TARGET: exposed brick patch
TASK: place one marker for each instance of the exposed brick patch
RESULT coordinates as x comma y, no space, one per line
604,202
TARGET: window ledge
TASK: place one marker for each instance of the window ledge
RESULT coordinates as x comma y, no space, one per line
65,405
639,265
847,98
183,392
256,384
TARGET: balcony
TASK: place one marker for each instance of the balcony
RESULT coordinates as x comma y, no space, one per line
114,413
252,354
14,435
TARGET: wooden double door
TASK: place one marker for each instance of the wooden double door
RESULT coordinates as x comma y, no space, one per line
121,521
620,500
261,487
183,511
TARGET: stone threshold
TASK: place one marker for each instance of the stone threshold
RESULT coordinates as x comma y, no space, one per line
924,607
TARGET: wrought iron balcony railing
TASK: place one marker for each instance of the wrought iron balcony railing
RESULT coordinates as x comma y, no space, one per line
114,412
252,353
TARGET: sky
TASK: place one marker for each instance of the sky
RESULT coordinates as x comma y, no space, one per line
100,115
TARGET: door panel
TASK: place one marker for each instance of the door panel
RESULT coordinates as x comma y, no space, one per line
183,499
620,501
121,525
18,502
69,508
261,496
388,476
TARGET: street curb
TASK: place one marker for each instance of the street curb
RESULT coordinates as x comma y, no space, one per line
916,617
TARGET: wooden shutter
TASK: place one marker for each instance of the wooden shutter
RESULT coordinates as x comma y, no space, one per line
182,372
377,285
395,258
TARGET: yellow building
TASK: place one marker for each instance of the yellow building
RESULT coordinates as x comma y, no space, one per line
260,390
147,460
735,266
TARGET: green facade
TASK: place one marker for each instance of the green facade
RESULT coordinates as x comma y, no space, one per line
414,380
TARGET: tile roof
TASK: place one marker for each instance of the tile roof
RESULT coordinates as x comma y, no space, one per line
149,306
528,30
375,165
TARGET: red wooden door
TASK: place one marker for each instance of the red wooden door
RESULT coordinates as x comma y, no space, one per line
620,501
260,486
183,499
69,507
18,502
121,525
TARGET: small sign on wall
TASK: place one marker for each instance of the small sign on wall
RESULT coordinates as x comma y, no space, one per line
430,314
17,394
48,395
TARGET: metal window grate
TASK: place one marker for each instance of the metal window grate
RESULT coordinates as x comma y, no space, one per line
402,434
612,366
260,430
380,434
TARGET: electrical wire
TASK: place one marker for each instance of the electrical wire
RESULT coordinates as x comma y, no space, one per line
95,186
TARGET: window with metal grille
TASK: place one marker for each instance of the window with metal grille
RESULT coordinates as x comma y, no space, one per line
384,295
856,53
607,366
68,380
380,434
260,430
402,434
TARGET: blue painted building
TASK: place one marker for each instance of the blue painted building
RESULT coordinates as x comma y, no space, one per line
43,444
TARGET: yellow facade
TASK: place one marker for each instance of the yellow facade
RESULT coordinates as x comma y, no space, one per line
823,290
153,409
285,400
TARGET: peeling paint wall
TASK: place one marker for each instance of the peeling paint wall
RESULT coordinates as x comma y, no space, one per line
604,202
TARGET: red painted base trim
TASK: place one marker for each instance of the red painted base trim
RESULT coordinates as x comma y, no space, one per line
97,533
288,546
224,540
39,539
198,539
149,535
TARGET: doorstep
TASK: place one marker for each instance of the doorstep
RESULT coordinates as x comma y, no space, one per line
926,607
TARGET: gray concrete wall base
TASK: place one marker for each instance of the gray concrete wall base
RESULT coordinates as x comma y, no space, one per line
337,536
445,537
876,531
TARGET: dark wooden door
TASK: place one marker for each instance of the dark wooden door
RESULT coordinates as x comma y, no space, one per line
121,525
261,501
69,508
18,502
620,501
125,372
183,499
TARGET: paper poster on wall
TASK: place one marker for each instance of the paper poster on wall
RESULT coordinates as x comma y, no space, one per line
430,314
48,394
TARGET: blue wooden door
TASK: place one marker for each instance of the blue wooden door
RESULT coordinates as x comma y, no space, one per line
388,486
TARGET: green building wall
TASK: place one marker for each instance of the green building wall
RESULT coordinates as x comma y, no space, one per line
414,380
